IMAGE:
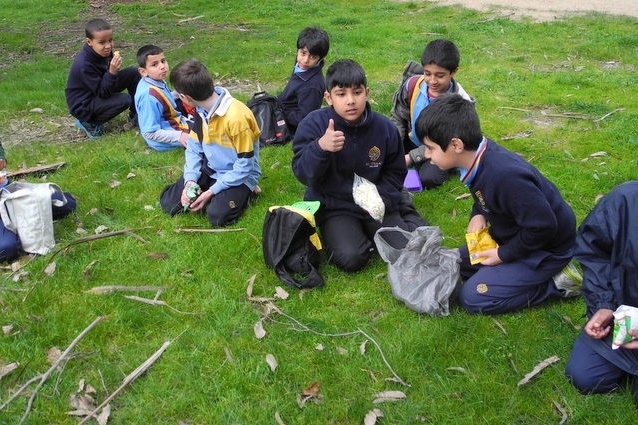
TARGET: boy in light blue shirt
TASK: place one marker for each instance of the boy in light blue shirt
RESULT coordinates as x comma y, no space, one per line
162,124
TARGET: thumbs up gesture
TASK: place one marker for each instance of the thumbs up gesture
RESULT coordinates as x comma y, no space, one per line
332,140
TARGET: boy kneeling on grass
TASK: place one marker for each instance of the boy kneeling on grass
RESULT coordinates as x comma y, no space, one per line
221,168
333,144
525,214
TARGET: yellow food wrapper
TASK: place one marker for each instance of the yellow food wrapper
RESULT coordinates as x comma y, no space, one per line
479,241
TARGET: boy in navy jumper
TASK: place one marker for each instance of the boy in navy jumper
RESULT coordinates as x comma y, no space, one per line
306,86
334,143
221,168
524,212
606,244
96,80
161,123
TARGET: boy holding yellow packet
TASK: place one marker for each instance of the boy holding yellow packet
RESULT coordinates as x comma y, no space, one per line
532,227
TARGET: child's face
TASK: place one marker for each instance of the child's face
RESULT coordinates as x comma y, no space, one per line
438,79
445,160
102,42
306,60
156,67
348,102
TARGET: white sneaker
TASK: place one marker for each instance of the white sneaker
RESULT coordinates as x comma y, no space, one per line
569,281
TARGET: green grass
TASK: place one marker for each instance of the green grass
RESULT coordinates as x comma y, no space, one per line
525,76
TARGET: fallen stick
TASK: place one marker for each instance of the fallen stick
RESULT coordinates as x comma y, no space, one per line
190,230
358,331
43,378
156,302
538,369
130,378
109,289
36,169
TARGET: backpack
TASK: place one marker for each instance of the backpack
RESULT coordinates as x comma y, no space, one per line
413,75
291,244
270,117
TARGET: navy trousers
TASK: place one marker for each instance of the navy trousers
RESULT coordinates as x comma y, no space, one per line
105,109
593,367
510,286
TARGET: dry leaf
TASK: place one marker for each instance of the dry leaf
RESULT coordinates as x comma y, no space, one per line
538,369
251,285
389,396
53,355
312,390
19,275
82,402
114,183
598,198
281,293
81,231
103,417
456,369
93,211
49,270
15,266
130,175
362,347
272,362
500,326
260,332
372,416
149,207
6,330
341,350
229,355
278,419
598,154
86,273
462,196
158,255
100,229
5,370
319,347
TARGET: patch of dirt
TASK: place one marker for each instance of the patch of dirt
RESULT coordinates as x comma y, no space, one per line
548,10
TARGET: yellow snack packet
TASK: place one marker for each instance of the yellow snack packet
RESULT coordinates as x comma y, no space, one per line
479,241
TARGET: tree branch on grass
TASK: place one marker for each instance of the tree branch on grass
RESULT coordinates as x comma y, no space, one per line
110,289
357,332
157,302
194,230
130,378
45,376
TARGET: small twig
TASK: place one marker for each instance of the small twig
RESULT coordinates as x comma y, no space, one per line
43,378
513,109
109,289
130,378
358,331
190,19
156,302
561,411
609,114
191,230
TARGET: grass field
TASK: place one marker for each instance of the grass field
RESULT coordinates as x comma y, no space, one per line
561,93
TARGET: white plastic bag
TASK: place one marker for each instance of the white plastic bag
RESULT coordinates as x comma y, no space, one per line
366,195
25,209
422,274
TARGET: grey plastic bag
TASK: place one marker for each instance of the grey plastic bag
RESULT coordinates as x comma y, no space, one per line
422,274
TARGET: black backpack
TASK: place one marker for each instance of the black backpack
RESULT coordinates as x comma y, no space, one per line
270,117
291,244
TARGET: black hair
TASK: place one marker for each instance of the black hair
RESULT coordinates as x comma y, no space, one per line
315,40
96,25
443,53
345,73
145,51
450,116
191,77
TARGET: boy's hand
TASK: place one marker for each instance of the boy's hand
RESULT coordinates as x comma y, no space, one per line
3,163
186,198
632,345
201,201
491,257
183,139
116,64
332,141
600,324
476,223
